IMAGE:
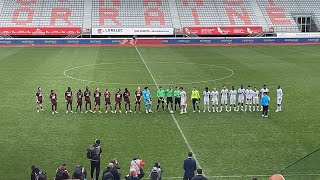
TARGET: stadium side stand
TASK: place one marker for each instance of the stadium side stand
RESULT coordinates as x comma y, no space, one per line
312,7
278,14
42,13
216,13
128,13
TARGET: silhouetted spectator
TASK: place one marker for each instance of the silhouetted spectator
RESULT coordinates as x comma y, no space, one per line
189,166
37,174
156,171
62,173
199,175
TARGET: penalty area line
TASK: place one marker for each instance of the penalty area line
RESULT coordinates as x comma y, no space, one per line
175,120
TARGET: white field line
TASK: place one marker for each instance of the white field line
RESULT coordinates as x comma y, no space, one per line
175,120
247,176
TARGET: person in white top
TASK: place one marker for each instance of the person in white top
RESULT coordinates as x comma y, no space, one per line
224,98
249,94
183,96
233,98
263,90
241,92
279,99
206,100
215,98
255,99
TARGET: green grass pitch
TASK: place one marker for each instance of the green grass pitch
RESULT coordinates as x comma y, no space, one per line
225,144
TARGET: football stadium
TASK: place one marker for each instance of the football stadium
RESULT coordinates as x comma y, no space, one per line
160,89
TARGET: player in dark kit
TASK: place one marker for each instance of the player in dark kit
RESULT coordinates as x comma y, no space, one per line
39,99
53,101
68,97
79,100
87,95
126,97
97,102
107,99
118,99
138,95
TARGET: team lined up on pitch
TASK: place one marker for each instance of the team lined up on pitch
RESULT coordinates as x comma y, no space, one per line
248,100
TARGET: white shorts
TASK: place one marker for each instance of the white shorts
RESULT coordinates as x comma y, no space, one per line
224,100
279,100
183,103
255,100
233,100
214,101
206,102
240,99
248,101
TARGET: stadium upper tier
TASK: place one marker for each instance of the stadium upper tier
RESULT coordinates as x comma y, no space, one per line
87,14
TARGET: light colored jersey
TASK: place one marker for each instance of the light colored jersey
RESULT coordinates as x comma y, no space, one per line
255,94
224,93
206,95
279,93
264,90
233,94
183,96
215,95
241,92
249,93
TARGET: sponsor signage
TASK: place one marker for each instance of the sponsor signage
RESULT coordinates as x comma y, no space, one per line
298,35
38,31
132,31
214,31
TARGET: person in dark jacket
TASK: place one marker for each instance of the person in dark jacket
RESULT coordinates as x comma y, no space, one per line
95,163
199,175
37,174
189,166
133,175
114,170
107,174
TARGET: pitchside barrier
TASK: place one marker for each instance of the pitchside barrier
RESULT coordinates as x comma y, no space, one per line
153,41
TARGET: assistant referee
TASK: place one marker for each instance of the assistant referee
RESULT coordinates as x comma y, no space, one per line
195,98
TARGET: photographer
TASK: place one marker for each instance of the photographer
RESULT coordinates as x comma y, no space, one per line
79,173
37,174
156,171
137,165
114,170
94,155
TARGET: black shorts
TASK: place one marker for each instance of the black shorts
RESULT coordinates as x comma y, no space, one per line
169,100
194,101
177,100
160,100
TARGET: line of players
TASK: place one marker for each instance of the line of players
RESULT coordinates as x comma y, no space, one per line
180,97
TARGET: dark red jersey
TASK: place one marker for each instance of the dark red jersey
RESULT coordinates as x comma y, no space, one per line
138,95
53,98
118,97
39,96
97,95
126,96
68,95
107,96
87,95
79,97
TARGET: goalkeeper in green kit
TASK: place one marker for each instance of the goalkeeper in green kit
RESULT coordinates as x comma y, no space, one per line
177,98
169,94
160,95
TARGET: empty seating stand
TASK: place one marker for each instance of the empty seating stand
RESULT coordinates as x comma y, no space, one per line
129,13
42,13
155,13
278,14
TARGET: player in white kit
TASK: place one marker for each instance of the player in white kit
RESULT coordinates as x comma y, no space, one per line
263,90
279,99
183,96
215,100
255,99
233,98
206,100
241,92
224,98
249,94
